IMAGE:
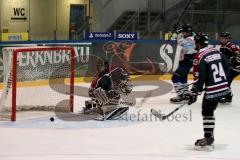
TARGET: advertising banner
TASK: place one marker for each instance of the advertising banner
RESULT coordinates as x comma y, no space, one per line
6,37
138,57
40,65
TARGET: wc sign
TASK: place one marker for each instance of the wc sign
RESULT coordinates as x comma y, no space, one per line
19,14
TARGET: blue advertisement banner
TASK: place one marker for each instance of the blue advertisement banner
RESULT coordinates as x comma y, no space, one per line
112,36
100,36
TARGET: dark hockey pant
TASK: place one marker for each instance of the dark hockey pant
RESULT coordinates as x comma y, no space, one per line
208,108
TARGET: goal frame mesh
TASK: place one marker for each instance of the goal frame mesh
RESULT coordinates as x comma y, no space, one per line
15,72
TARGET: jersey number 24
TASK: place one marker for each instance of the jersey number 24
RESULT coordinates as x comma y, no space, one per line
218,72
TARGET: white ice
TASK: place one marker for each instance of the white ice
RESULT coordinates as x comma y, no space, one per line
135,138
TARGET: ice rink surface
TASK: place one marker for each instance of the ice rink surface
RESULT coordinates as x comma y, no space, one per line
138,136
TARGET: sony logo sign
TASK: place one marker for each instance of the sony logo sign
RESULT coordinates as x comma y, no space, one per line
126,36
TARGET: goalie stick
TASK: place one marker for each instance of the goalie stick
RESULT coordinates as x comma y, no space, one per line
163,116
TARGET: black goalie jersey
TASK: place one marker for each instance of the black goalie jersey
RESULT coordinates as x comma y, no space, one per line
211,69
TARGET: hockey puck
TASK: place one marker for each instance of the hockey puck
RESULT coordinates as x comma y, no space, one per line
51,119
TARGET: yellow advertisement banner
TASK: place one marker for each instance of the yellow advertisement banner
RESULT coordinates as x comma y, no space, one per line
15,37
167,36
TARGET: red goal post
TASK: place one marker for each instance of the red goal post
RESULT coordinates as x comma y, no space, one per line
37,49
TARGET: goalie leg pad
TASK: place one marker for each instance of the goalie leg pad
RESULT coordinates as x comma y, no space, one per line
116,113
101,96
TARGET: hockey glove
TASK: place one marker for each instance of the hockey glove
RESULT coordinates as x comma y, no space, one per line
178,28
175,26
191,96
235,61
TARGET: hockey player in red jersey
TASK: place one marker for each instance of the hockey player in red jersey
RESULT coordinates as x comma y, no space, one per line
210,70
232,53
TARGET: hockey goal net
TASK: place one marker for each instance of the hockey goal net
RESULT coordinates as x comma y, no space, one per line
36,78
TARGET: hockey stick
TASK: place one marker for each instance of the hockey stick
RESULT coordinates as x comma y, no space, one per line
163,116
179,20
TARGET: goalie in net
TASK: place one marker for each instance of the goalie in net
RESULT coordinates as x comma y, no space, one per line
109,83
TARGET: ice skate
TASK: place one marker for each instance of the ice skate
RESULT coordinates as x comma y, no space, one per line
178,99
204,144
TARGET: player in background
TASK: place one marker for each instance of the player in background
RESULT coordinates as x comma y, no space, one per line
232,53
185,39
210,69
